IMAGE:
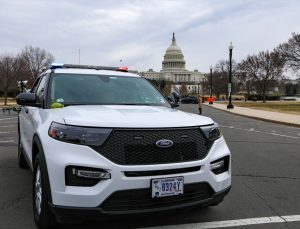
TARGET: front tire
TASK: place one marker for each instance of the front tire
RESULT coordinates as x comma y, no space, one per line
43,217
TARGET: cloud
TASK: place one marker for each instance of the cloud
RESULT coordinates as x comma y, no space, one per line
139,32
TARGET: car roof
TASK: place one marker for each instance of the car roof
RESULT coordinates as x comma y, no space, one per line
93,72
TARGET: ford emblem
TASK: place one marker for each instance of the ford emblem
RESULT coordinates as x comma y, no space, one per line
164,143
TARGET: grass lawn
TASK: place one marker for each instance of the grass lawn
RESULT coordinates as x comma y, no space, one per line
290,107
10,102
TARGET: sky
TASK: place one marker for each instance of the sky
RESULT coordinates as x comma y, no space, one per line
139,32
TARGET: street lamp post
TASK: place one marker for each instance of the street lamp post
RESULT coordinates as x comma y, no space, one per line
211,101
230,105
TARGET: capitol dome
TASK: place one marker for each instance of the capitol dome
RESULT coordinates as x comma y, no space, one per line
173,58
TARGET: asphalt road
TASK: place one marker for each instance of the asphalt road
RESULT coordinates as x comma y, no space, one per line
266,178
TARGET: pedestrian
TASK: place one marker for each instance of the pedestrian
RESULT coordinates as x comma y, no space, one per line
200,104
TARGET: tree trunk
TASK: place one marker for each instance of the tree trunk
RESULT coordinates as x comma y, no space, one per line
264,92
264,96
5,97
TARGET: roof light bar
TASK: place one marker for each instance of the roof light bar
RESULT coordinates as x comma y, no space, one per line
123,69
57,65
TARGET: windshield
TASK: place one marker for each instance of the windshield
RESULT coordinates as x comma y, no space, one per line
87,89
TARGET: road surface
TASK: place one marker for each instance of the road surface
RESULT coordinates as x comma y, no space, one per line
265,184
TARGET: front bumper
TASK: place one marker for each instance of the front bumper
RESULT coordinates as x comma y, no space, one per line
60,155
98,213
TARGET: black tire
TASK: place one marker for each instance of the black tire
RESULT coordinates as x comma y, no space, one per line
21,158
43,217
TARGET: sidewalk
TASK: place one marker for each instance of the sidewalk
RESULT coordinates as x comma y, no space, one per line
276,117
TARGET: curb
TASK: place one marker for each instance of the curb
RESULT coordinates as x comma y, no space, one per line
257,118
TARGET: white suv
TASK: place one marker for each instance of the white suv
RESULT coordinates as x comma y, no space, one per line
104,142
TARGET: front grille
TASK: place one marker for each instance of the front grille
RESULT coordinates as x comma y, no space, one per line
140,199
138,146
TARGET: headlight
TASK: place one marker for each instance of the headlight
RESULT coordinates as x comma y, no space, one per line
212,132
79,135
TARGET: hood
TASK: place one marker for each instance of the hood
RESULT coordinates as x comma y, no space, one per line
129,116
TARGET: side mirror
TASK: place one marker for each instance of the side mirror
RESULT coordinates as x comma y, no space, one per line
27,99
172,101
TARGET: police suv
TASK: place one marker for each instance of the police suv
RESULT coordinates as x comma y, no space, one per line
104,142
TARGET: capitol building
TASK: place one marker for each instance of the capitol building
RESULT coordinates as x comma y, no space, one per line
173,70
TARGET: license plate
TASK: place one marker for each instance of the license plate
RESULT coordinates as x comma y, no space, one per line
170,186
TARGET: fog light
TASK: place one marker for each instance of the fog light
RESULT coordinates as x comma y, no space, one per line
220,166
217,164
84,176
91,174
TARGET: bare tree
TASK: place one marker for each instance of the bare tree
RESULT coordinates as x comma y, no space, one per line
162,84
183,90
245,83
10,68
37,60
220,77
264,69
205,84
290,51
168,88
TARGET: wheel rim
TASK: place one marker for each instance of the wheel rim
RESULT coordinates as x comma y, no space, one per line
38,191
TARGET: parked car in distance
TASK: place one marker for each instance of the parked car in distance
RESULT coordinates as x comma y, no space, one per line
190,99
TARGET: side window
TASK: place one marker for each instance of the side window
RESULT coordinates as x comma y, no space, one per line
36,83
40,91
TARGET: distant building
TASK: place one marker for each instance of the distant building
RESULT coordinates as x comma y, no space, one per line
173,70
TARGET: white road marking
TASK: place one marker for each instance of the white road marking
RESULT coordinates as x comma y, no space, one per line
262,132
1,119
291,218
233,223
251,129
8,141
7,126
11,121
7,132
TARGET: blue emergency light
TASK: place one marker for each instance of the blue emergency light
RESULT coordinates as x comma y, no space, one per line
59,65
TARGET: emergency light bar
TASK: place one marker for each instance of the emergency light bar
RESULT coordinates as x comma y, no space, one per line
56,65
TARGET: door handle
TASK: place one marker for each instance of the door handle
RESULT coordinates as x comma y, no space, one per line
26,110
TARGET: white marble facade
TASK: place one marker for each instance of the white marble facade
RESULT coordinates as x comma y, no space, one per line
173,69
